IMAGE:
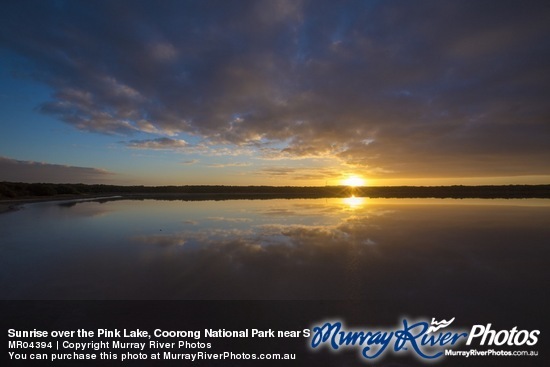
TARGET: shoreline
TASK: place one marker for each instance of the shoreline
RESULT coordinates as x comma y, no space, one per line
15,204
7,208
13,192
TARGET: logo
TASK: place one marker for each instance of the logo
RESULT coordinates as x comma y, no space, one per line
425,340
439,325
503,337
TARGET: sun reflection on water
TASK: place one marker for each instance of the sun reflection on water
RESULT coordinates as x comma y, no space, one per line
354,202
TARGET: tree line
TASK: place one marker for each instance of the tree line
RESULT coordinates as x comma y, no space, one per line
20,190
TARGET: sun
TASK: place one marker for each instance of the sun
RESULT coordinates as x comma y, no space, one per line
354,181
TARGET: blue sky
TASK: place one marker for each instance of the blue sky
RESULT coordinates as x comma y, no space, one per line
275,92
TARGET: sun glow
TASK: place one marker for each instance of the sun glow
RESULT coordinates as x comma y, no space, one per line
354,181
354,202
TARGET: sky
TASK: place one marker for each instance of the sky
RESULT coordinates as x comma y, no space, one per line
275,92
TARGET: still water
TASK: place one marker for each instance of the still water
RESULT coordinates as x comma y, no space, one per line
385,250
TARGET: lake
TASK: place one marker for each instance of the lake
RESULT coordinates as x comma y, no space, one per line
384,250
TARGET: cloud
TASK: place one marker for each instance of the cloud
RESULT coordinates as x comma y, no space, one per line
279,171
224,165
229,220
164,51
29,171
439,88
302,174
158,144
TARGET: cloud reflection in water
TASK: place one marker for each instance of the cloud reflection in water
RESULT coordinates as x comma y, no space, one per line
384,250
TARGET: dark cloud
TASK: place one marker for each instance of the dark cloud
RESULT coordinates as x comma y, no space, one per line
440,88
28,171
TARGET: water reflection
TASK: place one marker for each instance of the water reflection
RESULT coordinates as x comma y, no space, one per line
354,202
394,251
